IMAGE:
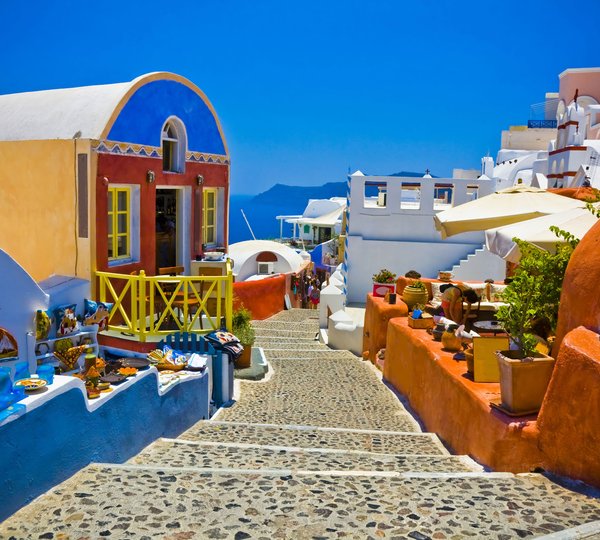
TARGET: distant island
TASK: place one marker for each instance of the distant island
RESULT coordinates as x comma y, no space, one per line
283,192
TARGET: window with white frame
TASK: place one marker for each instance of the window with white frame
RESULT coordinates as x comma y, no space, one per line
174,145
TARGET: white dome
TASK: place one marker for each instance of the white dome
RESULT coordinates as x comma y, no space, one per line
244,255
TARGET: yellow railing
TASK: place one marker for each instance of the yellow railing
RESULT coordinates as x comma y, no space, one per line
158,305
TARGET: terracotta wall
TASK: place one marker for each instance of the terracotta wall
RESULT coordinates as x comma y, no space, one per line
579,300
564,437
377,315
263,297
569,421
455,407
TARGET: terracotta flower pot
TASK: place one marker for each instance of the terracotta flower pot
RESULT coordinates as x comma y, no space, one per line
245,360
523,383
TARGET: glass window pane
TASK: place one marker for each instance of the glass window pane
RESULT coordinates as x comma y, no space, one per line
122,200
110,224
210,235
210,199
111,194
110,247
210,217
122,223
121,246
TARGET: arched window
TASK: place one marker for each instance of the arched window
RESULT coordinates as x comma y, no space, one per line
174,145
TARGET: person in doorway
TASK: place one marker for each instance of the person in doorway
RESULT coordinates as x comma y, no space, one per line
453,296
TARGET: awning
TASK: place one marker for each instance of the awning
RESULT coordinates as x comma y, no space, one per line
502,208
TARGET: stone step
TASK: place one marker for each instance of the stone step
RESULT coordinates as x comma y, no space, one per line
288,335
272,324
319,354
297,315
296,345
270,341
181,453
342,392
296,436
294,331
125,501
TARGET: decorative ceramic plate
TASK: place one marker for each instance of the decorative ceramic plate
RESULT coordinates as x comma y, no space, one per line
138,363
167,372
30,385
127,371
113,378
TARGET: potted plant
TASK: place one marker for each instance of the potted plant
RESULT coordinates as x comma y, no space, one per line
415,293
384,282
532,300
244,331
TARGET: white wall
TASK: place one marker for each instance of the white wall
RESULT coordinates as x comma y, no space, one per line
20,298
402,239
527,139
425,257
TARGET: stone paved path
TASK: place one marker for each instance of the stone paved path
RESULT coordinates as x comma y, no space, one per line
322,449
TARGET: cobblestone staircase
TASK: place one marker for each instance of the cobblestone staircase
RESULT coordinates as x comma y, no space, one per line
320,449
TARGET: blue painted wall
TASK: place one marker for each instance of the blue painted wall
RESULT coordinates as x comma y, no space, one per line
49,444
142,118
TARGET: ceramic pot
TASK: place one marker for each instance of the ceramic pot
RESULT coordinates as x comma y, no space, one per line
245,359
470,361
450,341
523,383
438,331
414,295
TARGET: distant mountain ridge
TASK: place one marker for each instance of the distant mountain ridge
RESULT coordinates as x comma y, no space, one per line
285,192
282,192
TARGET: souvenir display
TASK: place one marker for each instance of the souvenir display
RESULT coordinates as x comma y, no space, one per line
66,320
70,357
8,344
97,313
167,359
43,323
32,384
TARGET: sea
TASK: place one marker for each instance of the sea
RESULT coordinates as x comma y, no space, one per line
261,217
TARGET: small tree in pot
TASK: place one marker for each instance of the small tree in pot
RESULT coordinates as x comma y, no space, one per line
244,331
532,300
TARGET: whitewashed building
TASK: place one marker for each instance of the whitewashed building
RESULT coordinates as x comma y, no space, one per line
390,225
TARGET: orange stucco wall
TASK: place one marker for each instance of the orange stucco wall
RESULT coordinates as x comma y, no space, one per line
454,406
377,315
569,421
579,301
263,297
565,436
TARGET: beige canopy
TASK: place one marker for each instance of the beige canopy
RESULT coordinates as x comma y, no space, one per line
502,208
577,221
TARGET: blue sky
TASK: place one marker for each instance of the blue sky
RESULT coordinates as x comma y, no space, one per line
305,90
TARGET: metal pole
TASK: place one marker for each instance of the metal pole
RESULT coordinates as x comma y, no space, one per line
248,223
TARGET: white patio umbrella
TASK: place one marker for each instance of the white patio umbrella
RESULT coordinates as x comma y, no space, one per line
576,221
504,207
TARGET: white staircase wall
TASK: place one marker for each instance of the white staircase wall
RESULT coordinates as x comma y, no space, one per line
479,266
